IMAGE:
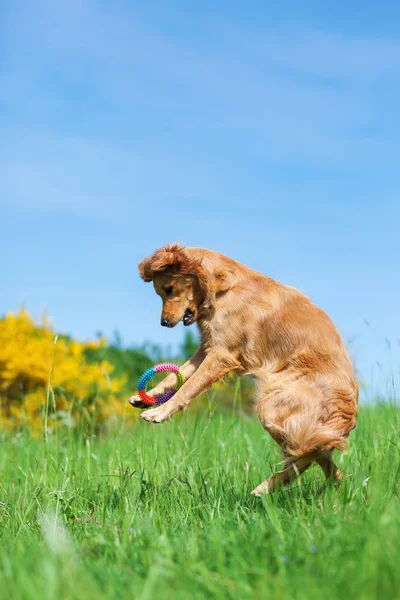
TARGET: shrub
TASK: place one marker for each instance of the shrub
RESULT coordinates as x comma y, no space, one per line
47,379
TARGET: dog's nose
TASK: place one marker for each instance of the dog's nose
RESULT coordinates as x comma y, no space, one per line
164,322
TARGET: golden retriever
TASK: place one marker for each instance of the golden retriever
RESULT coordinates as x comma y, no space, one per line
307,394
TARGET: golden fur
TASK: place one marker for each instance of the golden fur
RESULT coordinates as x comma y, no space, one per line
307,393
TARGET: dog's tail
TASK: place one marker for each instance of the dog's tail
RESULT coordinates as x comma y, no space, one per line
303,439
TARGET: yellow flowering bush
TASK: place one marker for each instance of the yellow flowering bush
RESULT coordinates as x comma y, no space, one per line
46,380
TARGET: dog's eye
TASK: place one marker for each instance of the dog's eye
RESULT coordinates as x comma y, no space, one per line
168,290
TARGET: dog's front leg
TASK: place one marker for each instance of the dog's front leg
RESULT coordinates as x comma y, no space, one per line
215,366
188,368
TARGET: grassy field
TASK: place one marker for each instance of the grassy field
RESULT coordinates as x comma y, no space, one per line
166,512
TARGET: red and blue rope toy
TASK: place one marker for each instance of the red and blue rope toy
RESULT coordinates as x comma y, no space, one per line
161,367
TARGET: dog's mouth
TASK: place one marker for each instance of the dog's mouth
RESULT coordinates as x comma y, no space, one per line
188,317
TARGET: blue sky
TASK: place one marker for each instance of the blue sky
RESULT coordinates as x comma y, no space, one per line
267,131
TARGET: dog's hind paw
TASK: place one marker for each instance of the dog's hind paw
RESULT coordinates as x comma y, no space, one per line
263,488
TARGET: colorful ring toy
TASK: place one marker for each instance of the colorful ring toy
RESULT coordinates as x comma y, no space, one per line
161,367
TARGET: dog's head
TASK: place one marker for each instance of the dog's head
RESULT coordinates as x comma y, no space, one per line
180,281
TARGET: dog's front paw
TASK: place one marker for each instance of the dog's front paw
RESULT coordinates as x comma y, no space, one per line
136,402
156,415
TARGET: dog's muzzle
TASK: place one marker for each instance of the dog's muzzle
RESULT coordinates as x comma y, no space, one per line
166,323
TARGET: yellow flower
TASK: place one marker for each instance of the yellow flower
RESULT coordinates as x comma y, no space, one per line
41,372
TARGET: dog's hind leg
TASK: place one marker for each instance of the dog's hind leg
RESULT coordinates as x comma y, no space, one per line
284,477
331,471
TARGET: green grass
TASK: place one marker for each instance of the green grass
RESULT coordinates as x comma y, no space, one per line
166,512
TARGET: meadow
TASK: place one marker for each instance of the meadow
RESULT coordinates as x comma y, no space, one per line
145,511
96,503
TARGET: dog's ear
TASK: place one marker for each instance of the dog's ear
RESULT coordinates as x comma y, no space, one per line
172,258
145,270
